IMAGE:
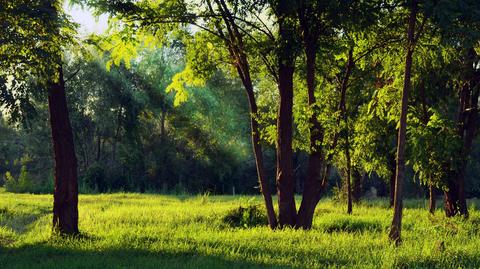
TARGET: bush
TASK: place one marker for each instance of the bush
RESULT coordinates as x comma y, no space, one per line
246,217
11,183
25,184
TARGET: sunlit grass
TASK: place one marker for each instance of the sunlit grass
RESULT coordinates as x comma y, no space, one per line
158,231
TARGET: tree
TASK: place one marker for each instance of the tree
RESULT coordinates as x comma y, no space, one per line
23,57
412,36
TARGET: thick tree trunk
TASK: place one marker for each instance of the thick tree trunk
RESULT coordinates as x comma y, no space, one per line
396,227
285,180
65,211
313,182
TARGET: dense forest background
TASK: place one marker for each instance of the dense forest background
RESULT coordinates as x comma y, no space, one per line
130,136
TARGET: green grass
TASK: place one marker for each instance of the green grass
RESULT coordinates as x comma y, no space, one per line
158,231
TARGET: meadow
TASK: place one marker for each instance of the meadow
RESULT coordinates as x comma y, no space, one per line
130,230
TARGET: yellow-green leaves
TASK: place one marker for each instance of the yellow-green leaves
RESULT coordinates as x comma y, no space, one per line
179,83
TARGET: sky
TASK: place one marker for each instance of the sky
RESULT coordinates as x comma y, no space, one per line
88,23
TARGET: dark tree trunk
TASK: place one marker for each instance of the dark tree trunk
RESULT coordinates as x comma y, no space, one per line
357,185
451,199
396,227
455,199
65,211
432,202
285,180
392,188
286,65
99,146
313,182
349,169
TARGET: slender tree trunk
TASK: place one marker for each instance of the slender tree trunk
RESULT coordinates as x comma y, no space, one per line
357,178
432,199
234,42
392,187
257,151
341,106
99,146
349,168
396,227
65,204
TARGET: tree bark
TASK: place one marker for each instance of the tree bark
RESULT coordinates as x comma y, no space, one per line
65,204
396,227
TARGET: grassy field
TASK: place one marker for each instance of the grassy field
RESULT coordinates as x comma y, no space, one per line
157,231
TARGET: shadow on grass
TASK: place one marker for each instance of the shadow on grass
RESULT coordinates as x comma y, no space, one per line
450,260
49,256
19,221
351,225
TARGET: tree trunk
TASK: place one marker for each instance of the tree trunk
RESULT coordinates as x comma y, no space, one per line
285,180
65,211
432,199
349,169
455,199
313,182
257,151
396,227
357,185
451,199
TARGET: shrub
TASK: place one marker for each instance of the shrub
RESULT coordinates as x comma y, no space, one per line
245,217
11,183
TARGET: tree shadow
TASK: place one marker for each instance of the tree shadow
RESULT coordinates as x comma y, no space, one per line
44,255
20,221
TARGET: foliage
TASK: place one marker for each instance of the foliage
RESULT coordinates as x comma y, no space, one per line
246,217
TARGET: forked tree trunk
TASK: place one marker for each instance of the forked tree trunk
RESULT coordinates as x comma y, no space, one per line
286,66
65,203
396,227
313,178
